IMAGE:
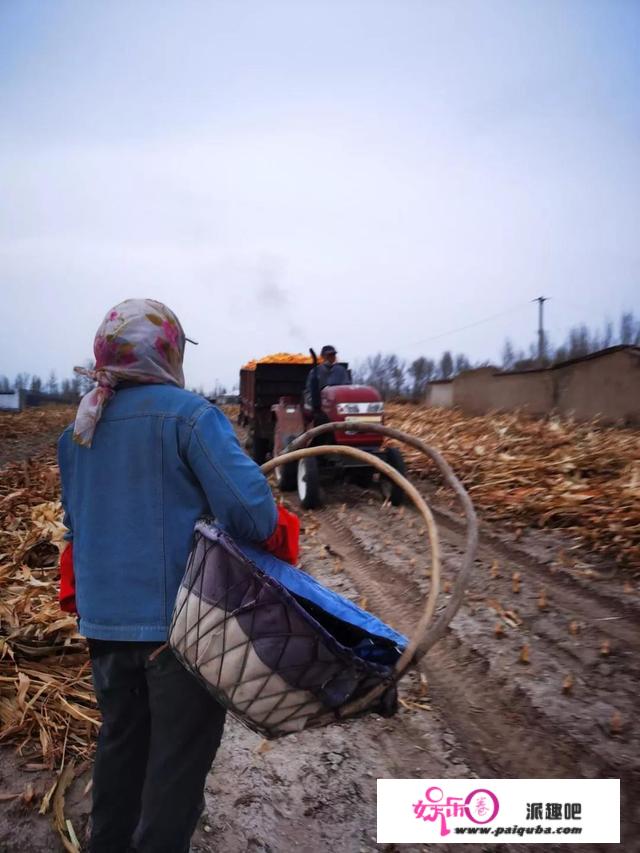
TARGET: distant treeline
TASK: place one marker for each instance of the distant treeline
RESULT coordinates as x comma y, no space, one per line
395,377
66,389
69,390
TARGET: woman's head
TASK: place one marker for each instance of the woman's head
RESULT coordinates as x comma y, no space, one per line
139,341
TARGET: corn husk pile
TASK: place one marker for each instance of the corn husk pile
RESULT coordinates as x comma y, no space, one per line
47,706
584,477
31,431
231,411
279,358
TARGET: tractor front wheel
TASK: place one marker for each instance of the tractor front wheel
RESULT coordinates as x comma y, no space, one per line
259,449
391,492
309,483
287,475
362,477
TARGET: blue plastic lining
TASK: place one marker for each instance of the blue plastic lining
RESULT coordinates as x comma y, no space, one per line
301,584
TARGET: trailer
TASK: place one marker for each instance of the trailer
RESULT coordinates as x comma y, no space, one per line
261,388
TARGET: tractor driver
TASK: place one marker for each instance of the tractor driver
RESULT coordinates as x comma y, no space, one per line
328,372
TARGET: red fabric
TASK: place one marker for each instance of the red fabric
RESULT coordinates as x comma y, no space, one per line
284,542
67,594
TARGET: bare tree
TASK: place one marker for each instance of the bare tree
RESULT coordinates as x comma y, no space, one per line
21,381
608,336
446,365
52,383
560,355
581,341
218,390
36,383
629,329
421,371
85,383
75,384
508,355
66,390
5,385
373,372
524,361
395,371
386,373
394,378
461,363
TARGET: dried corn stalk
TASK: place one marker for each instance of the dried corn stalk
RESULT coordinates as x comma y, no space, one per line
528,471
47,705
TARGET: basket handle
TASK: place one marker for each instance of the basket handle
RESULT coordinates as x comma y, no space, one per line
424,635
439,628
422,507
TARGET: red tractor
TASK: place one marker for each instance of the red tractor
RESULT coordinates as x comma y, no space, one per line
274,408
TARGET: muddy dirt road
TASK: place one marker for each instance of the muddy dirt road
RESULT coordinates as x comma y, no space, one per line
473,708
485,712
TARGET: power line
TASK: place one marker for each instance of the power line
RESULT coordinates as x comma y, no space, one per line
468,326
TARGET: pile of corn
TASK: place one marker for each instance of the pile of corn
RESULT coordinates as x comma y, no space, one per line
279,358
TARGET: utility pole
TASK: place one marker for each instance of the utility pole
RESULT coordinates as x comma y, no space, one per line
540,300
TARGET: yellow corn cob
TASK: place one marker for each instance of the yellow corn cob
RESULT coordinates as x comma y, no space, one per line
279,358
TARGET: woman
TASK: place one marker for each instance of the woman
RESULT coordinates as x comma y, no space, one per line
142,462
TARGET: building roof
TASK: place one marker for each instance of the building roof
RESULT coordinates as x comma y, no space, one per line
630,348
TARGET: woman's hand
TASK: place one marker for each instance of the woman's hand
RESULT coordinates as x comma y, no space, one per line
284,542
67,593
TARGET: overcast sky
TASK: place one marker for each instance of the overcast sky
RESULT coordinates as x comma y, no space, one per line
368,174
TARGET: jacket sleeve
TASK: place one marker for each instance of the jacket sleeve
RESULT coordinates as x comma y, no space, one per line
63,464
237,491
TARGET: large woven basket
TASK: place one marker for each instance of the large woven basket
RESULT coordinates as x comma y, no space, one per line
278,661
277,657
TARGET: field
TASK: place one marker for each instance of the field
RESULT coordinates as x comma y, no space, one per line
538,675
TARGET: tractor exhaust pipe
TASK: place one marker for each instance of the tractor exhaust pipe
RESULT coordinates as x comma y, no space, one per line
316,399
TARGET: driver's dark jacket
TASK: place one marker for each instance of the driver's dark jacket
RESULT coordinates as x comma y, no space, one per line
336,374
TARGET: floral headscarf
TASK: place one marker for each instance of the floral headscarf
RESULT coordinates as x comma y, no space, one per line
140,340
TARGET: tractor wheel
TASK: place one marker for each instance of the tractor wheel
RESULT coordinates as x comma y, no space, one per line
259,449
309,483
287,475
390,491
362,477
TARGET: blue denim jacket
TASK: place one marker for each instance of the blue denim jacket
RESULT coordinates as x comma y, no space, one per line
161,458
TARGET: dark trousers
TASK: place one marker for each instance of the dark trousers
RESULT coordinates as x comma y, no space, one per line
159,735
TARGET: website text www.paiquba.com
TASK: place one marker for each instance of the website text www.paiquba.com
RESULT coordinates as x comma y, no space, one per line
518,830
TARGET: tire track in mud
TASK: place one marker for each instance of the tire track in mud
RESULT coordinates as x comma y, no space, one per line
379,585
585,598
506,722
548,626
